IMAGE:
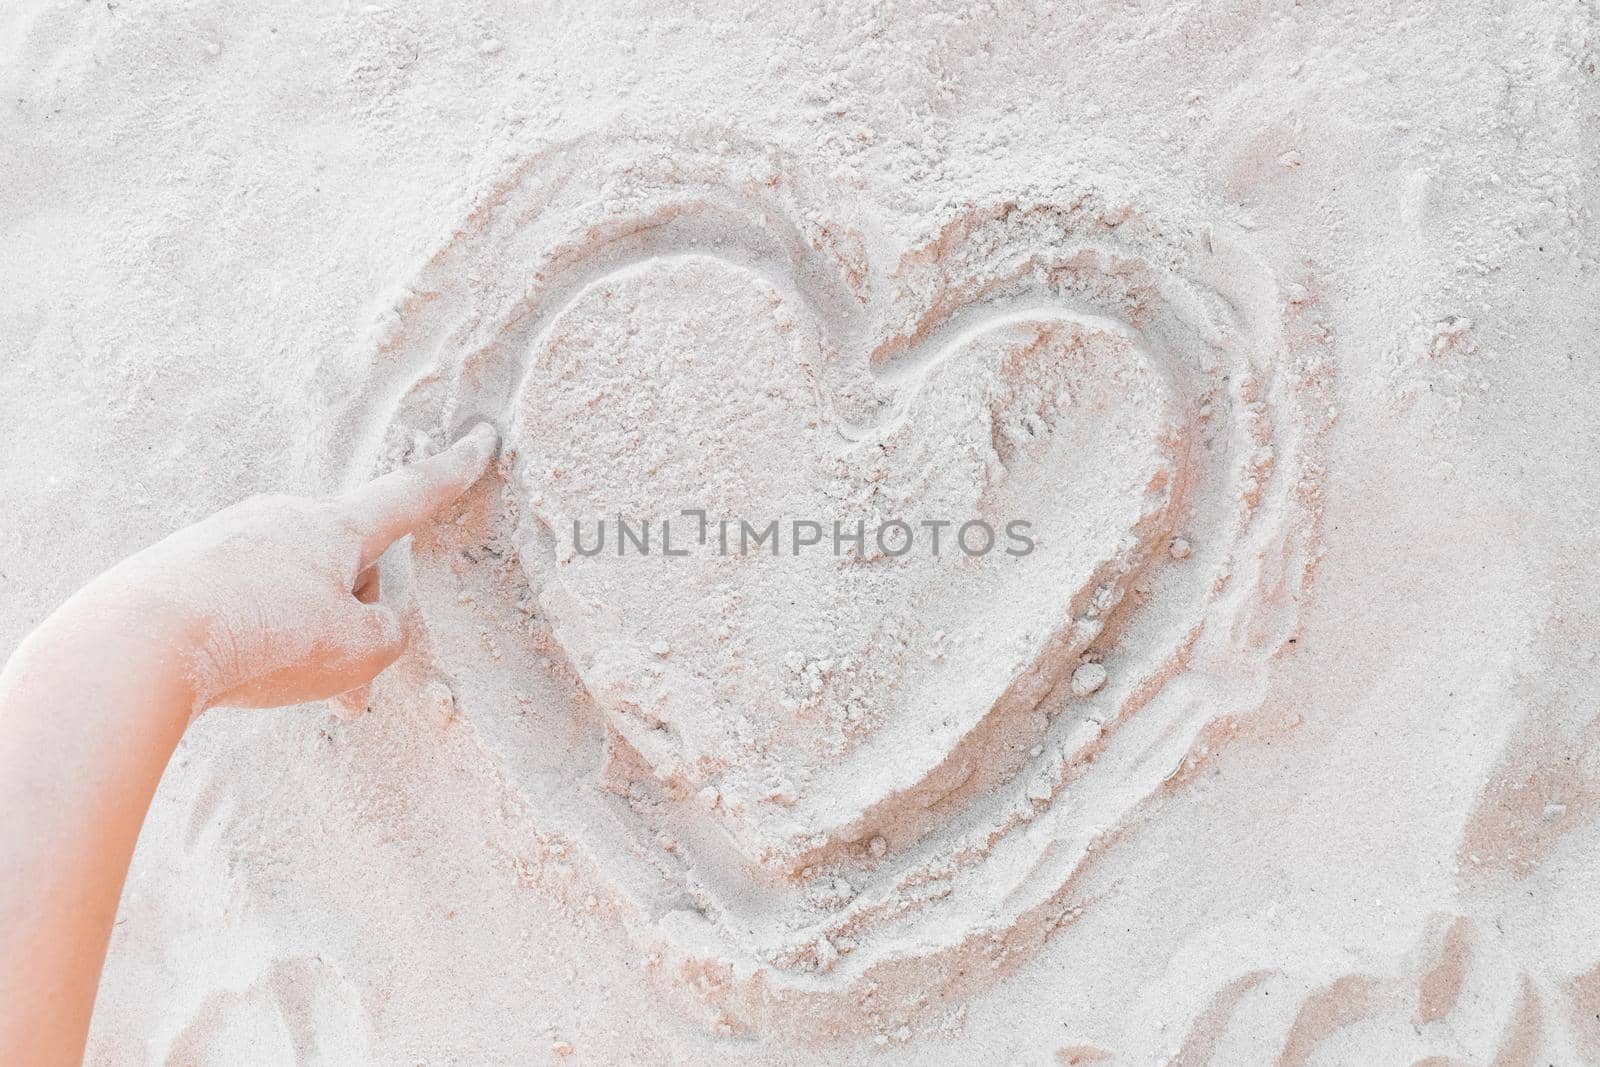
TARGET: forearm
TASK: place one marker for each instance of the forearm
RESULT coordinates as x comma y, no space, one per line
92,705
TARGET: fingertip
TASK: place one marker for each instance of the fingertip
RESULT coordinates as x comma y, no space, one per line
456,469
482,436
392,505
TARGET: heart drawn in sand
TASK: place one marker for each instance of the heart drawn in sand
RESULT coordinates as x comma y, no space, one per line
832,788
811,698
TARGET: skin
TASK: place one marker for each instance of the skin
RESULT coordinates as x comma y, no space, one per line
270,602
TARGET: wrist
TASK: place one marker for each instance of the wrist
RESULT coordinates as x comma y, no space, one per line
136,628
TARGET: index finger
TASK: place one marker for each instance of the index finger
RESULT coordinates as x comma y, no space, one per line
387,508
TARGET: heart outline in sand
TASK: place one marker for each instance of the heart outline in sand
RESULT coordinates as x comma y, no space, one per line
1020,807
770,683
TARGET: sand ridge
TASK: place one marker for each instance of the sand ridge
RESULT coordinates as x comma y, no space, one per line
834,770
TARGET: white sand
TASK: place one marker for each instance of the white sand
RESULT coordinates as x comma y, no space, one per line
1276,321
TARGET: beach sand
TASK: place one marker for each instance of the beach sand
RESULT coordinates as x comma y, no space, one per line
1274,324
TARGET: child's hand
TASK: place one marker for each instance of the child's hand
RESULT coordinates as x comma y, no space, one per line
275,600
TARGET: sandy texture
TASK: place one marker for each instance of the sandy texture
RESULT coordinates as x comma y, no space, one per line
1275,321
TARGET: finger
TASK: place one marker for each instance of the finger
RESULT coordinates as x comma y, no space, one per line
388,508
